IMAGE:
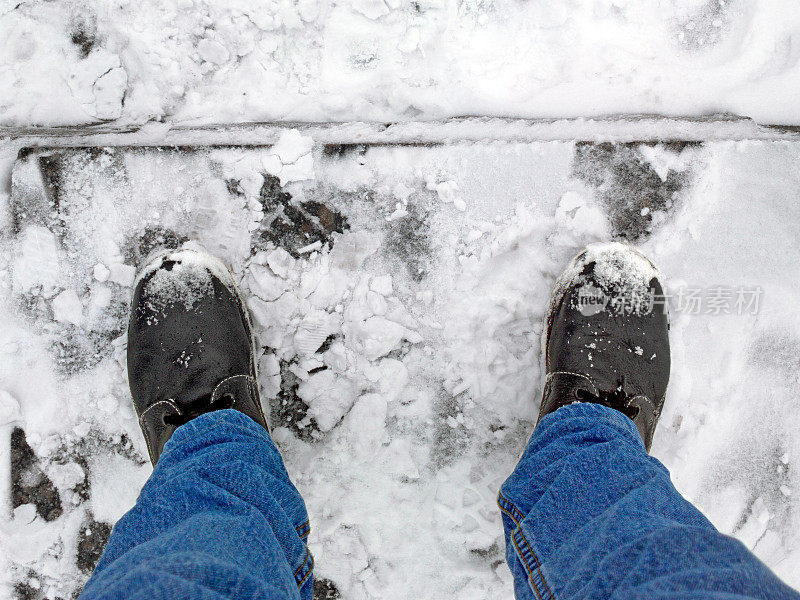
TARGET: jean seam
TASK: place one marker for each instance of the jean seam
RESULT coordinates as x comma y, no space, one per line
304,529
300,576
508,508
307,575
548,595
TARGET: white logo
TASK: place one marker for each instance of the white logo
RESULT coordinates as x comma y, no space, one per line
590,300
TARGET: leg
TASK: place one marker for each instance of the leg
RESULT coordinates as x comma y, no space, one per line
588,514
218,518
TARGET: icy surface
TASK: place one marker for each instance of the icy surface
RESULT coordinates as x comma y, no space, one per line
398,298
67,62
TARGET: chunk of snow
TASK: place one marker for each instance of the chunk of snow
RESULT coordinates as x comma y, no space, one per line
662,160
301,170
272,164
122,274
401,462
213,51
393,378
264,283
328,397
313,330
36,261
372,9
98,83
376,303
67,308
364,427
109,91
291,146
580,217
25,513
9,408
280,261
310,248
447,191
378,336
66,475
101,272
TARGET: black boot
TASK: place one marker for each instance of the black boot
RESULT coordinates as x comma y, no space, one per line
607,336
190,347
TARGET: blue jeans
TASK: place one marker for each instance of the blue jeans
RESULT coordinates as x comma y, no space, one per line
587,514
218,518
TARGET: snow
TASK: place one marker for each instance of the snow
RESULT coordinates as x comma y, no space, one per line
121,274
328,396
9,407
414,343
101,272
382,284
412,339
67,308
195,62
36,262
98,84
187,281
616,269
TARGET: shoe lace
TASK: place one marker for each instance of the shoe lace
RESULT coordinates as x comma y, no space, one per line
198,407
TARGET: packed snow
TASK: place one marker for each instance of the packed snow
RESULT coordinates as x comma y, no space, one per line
399,323
64,62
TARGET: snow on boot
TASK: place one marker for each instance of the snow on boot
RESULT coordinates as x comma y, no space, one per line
190,346
607,336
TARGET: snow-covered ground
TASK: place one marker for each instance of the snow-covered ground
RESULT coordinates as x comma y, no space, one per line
398,290
69,61
398,294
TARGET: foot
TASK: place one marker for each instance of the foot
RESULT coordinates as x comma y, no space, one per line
607,336
190,347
